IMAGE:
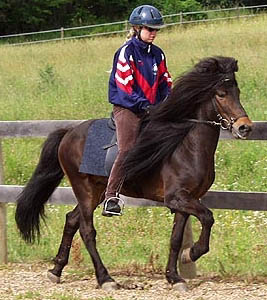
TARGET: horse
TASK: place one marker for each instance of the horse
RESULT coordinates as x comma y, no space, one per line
172,162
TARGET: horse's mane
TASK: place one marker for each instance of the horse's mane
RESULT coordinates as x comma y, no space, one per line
164,131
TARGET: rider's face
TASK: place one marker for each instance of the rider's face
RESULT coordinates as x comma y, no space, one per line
148,34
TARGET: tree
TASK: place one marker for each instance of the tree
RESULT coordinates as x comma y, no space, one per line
174,6
31,15
230,3
17,16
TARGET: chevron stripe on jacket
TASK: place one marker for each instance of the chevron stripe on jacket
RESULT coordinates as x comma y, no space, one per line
139,76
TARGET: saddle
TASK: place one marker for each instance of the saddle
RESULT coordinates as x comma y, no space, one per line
101,149
112,148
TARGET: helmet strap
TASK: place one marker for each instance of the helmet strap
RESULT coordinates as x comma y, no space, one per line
138,30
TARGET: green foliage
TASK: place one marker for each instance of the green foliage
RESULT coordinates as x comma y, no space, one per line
33,15
48,77
174,6
220,3
230,3
55,296
29,295
36,15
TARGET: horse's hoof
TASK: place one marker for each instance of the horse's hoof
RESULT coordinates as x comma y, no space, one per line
54,278
185,257
180,287
109,286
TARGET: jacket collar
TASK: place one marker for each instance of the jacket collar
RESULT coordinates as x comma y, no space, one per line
142,44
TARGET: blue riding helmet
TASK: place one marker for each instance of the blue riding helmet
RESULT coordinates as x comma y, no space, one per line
146,15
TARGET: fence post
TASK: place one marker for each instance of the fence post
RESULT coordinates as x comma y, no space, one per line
62,32
187,270
126,25
181,18
238,12
3,234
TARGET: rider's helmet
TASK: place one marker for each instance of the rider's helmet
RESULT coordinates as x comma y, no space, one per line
146,15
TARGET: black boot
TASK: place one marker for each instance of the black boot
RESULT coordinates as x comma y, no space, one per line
111,207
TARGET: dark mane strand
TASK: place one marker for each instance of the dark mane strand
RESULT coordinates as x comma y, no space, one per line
150,152
165,130
189,89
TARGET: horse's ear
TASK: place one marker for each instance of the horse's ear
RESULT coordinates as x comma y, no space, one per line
236,66
215,66
209,65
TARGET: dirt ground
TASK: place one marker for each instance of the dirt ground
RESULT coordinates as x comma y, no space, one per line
21,281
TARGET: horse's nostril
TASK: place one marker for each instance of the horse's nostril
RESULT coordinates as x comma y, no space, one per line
244,128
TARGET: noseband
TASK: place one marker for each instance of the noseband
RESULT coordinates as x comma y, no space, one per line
223,123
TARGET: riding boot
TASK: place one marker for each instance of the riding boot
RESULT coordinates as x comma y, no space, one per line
112,200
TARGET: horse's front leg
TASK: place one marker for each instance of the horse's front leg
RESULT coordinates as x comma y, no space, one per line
71,226
176,242
183,202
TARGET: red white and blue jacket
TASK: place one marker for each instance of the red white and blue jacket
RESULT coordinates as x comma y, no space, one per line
139,76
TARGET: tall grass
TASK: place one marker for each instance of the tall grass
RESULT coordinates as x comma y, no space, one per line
68,80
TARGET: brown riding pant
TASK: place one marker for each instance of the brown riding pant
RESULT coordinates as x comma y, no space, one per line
127,127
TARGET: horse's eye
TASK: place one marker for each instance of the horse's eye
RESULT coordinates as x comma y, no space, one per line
221,94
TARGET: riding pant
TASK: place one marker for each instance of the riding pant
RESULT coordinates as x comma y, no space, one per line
127,127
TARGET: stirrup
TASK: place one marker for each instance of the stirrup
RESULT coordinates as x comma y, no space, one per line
118,201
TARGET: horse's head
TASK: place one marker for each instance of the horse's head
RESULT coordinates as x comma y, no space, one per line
226,100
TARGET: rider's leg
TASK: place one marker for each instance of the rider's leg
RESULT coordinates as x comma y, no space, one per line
127,127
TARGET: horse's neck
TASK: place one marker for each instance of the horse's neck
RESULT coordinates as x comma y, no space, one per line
207,134
207,112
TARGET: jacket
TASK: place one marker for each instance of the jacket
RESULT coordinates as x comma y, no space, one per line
139,76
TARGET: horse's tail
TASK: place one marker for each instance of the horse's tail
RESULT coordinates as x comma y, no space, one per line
46,177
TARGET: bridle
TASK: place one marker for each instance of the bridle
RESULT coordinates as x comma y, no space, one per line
222,122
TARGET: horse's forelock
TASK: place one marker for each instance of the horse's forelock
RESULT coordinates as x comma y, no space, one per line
217,65
207,65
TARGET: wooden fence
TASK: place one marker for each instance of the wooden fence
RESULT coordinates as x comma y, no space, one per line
97,30
64,195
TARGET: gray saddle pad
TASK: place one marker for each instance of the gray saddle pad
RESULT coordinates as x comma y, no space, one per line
94,154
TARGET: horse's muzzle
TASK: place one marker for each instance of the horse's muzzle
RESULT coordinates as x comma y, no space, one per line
242,128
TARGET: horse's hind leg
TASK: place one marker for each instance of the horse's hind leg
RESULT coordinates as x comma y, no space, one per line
88,194
71,226
176,242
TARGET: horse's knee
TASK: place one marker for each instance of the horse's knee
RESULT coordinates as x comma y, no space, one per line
173,203
88,233
72,219
71,223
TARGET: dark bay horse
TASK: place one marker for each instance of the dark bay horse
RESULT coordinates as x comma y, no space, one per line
173,162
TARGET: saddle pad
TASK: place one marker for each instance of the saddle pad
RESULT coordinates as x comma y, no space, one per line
93,160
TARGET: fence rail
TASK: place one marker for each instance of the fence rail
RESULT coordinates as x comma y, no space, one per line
41,128
213,199
170,20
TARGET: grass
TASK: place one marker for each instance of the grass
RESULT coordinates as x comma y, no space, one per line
68,80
